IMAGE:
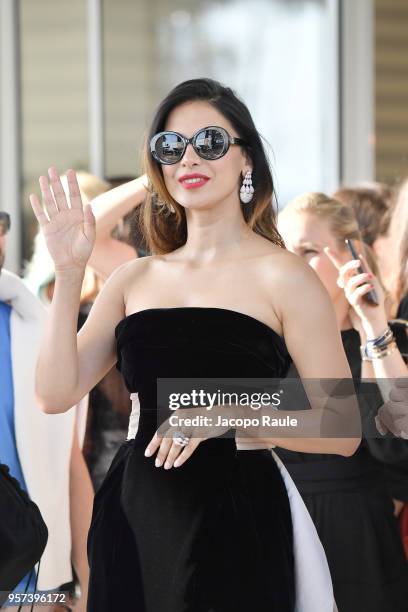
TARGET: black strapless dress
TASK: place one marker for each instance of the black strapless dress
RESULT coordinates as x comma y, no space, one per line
214,535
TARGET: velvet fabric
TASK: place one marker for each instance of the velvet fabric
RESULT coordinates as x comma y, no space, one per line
214,535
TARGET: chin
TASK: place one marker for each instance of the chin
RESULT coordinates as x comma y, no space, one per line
195,201
203,201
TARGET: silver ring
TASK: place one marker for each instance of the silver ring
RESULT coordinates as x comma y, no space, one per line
180,438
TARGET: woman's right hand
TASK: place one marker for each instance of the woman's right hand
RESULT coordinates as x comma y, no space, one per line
69,229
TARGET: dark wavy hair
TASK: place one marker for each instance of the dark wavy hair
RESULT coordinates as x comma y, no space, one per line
162,219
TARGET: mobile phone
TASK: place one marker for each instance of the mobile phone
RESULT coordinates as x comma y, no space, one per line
370,297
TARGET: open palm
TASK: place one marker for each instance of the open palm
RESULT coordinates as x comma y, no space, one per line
68,228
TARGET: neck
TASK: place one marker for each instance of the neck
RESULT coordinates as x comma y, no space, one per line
215,232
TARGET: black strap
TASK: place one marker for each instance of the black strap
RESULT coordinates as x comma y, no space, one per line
36,582
28,582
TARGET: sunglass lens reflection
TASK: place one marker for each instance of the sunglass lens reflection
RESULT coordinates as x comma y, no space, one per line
210,143
169,148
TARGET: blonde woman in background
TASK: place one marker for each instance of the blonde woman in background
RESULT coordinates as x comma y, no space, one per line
382,215
350,499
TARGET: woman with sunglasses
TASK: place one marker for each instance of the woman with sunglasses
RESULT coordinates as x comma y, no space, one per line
183,522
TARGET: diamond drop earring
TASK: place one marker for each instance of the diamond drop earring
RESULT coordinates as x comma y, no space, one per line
247,191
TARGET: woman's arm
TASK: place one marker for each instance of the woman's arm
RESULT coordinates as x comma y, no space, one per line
314,343
81,495
69,366
108,208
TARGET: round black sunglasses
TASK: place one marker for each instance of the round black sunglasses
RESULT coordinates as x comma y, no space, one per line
209,143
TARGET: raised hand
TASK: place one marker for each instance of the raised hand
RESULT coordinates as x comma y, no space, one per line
355,286
68,228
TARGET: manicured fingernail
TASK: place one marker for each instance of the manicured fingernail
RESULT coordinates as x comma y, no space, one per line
176,463
148,452
167,465
157,463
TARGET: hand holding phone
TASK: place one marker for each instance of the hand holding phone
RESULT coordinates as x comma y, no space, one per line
370,297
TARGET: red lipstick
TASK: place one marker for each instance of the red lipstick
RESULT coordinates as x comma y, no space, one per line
193,181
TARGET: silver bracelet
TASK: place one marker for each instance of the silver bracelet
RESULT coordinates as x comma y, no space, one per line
381,354
369,354
382,339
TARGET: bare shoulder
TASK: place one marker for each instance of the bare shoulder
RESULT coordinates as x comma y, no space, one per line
287,269
133,267
130,272
110,304
292,283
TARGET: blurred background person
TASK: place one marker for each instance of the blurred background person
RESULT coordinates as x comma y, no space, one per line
374,208
372,205
118,235
43,454
353,501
